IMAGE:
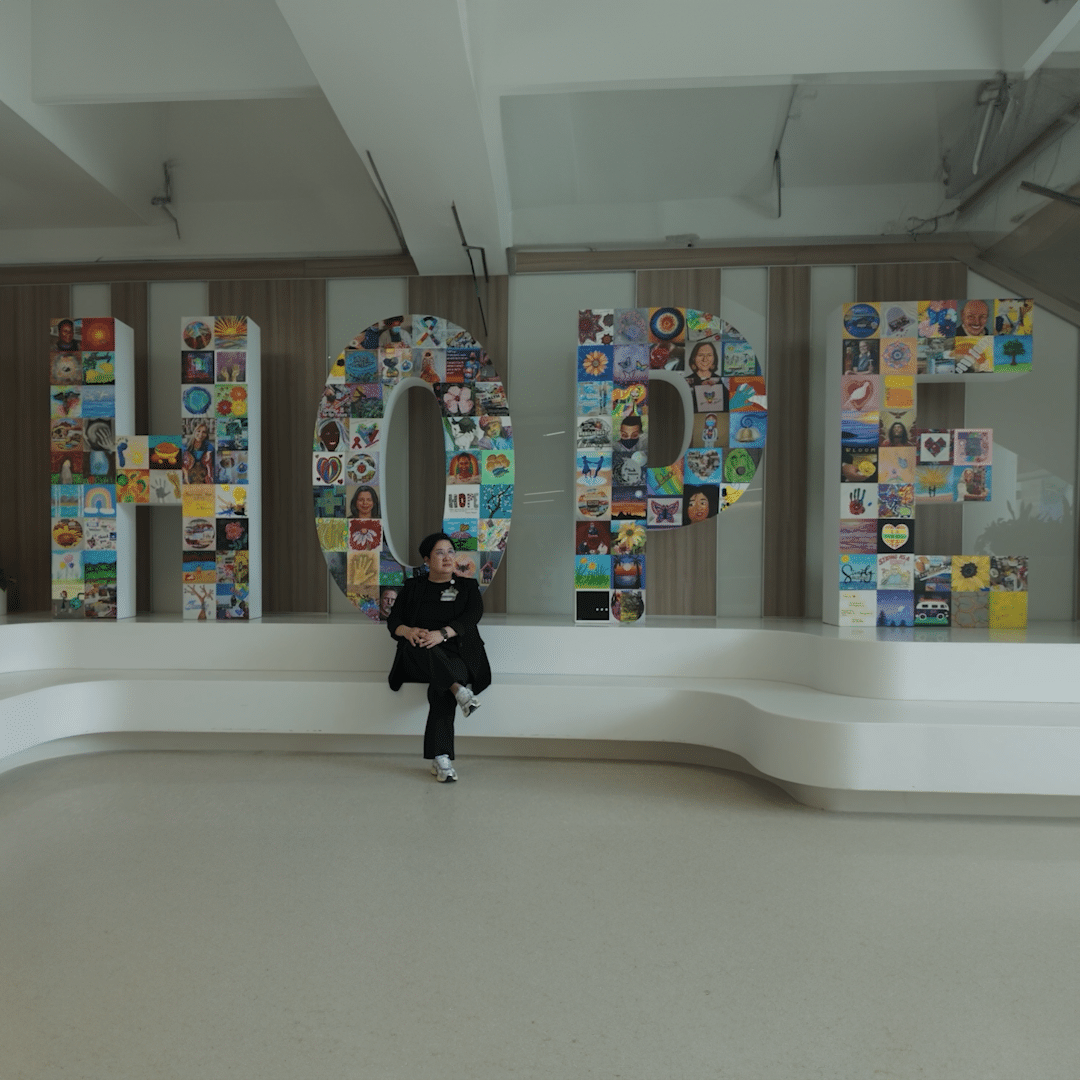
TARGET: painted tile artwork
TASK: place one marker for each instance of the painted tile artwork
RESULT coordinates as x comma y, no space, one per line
82,464
618,497
890,465
215,363
349,463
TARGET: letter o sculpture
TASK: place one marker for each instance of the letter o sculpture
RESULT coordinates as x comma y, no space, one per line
617,497
349,465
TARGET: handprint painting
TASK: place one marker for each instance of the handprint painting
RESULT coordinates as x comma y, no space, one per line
620,495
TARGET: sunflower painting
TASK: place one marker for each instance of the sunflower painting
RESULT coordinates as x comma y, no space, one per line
594,363
630,538
971,573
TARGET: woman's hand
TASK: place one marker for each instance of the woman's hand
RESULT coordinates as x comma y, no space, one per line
424,639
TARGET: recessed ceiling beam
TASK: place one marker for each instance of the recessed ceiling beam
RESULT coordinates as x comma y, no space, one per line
125,160
399,78
1032,29
105,51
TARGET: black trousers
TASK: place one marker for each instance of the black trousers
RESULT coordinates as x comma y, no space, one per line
440,667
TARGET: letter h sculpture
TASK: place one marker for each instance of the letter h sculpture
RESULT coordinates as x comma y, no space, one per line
210,468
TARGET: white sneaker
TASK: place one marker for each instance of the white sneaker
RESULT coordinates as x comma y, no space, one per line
468,701
443,769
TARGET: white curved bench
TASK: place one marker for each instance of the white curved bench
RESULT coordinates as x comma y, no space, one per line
783,700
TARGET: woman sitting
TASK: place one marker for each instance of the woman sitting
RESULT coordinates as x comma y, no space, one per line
434,620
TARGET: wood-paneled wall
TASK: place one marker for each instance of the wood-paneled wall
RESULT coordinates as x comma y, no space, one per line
454,298
786,448
681,563
25,541
938,529
292,317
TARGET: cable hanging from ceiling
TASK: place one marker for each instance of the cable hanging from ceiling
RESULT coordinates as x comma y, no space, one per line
165,201
469,249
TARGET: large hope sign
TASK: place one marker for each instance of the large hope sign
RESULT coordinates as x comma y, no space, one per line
211,468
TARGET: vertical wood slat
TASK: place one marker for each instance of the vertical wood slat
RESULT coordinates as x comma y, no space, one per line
939,529
680,563
786,448
130,304
453,298
25,540
292,317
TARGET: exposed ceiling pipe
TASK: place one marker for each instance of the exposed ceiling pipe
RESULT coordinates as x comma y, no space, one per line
1047,135
1050,193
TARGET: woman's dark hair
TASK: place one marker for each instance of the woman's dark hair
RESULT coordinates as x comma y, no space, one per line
375,511
430,541
711,493
694,352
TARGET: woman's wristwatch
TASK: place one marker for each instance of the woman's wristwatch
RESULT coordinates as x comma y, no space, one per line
445,635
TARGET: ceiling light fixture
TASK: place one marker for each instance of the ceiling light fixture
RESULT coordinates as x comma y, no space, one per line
1054,131
993,95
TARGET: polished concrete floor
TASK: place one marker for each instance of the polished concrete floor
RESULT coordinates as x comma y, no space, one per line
166,916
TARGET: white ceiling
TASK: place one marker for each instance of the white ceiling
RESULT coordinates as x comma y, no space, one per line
547,122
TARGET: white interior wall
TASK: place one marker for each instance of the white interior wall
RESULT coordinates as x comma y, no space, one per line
169,302
830,286
352,304
1033,506
543,349
744,303
93,300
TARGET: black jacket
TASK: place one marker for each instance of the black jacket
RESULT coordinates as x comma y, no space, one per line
462,614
